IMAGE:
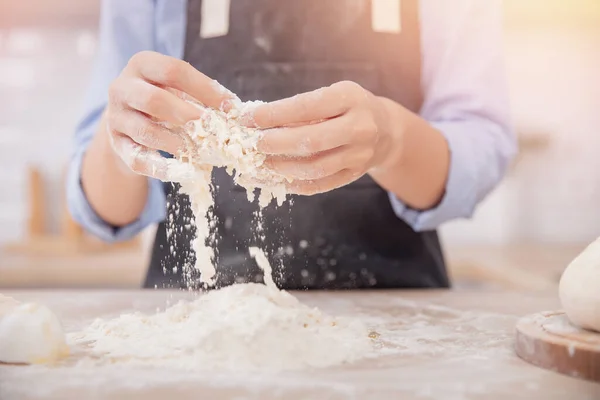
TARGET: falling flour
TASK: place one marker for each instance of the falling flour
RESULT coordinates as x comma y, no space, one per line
218,139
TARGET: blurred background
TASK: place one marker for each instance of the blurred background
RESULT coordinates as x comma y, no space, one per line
546,210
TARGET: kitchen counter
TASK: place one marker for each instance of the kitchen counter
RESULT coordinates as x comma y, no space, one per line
456,345
117,269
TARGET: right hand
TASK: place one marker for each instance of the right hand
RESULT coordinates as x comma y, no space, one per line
147,108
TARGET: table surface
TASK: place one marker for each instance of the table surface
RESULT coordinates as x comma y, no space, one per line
117,270
469,357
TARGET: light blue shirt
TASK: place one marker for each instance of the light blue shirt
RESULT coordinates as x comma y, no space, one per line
463,82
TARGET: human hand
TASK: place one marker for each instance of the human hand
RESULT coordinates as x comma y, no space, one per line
327,138
147,109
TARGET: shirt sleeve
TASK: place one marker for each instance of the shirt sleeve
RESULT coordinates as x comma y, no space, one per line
466,99
126,27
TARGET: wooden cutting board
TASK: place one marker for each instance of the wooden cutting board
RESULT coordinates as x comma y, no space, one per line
550,341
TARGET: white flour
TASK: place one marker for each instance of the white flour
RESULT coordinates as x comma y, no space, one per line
7,304
242,327
263,263
218,139
247,327
424,351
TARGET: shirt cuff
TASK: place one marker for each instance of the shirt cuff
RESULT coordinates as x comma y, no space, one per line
83,213
460,197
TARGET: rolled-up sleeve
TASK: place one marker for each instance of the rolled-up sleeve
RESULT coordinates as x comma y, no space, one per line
126,27
466,100
84,214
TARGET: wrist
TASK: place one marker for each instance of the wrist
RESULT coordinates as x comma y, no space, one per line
116,194
416,166
101,161
394,128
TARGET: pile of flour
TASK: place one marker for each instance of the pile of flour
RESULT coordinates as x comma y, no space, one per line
246,327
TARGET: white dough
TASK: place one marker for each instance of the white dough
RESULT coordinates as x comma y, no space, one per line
7,304
31,334
579,288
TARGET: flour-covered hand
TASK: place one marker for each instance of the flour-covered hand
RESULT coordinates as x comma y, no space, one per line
327,138
146,105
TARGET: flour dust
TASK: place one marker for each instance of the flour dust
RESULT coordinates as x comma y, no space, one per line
218,139
243,326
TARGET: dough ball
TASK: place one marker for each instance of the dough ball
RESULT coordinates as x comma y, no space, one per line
579,288
7,304
31,334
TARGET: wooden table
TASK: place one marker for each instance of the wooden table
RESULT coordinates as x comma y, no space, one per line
117,270
469,357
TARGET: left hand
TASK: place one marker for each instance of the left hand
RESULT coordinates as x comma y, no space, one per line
327,138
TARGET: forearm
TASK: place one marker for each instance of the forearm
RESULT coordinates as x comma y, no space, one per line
116,194
417,168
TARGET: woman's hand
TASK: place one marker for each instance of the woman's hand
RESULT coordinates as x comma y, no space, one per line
327,138
147,103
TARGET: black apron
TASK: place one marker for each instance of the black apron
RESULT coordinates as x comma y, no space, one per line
347,238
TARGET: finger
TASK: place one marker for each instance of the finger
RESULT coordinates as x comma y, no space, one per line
312,106
180,75
307,139
140,159
314,167
146,132
154,101
323,185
